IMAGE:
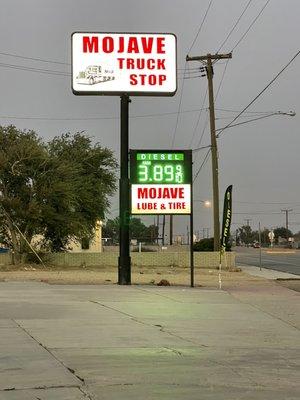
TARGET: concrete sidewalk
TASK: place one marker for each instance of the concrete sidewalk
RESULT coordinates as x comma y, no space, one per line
267,273
141,342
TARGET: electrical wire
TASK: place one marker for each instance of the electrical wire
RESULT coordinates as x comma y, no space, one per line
246,112
201,26
250,26
66,74
266,203
202,148
178,113
260,93
185,65
246,122
33,58
206,122
257,213
192,77
199,117
33,69
222,79
96,118
234,26
202,165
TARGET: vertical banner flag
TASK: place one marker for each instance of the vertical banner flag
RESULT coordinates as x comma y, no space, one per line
227,213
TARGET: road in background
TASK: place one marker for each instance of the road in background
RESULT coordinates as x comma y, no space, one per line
285,260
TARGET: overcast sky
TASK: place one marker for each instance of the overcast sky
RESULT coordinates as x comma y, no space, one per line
259,159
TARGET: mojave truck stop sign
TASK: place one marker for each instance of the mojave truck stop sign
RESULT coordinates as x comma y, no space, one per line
160,181
116,63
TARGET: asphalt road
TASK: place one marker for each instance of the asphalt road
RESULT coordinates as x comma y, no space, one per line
285,260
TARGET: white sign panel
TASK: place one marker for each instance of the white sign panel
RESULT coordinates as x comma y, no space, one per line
117,63
161,199
271,235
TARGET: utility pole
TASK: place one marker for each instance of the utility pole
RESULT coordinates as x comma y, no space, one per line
286,211
248,221
207,61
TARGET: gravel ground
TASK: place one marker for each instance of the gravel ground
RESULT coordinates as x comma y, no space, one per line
140,275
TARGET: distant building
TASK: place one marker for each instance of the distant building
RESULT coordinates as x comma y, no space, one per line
93,245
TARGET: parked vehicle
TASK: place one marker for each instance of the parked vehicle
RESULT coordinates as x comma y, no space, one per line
95,74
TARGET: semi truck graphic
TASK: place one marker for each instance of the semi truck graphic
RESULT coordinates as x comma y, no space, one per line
95,74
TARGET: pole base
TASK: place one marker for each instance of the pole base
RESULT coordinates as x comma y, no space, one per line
124,270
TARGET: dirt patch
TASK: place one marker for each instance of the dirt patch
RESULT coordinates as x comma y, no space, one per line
140,275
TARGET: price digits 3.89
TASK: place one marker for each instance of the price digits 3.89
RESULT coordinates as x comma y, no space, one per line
157,173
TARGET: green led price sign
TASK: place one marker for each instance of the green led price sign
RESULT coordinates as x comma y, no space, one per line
161,181
160,167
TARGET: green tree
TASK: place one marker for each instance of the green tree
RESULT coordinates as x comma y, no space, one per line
111,230
141,232
93,181
246,235
207,244
53,190
265,236
283,233
138,230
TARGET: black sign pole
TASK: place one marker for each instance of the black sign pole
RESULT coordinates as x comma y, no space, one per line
124,267
192,235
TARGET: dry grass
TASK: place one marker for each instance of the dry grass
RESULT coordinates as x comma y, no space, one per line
140,275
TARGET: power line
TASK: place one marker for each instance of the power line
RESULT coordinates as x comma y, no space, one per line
249,120
199,117
192,77
246,116
178,113
200,27
267,203
247,112
60,73
185,65
33,58
60,62
33,69
202,165
235,25
250,26
203,131
257,213
221,81
260,93
202,148
223,75
206,122
96,118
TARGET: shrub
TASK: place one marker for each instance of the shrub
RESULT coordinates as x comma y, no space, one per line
207,245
